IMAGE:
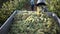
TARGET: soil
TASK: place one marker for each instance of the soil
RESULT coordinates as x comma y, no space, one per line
27,6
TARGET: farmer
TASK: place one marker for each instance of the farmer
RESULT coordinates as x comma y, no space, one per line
41,2
41,5
32,4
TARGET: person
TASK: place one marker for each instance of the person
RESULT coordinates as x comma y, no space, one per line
32,4
41,2
42,5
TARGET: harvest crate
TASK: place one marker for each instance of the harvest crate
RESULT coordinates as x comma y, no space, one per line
5,27
53,15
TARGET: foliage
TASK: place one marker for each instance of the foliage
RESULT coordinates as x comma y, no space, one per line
22,4
2,1
6,10
30,23
54,6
